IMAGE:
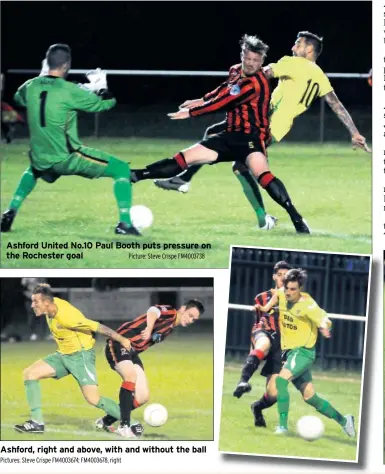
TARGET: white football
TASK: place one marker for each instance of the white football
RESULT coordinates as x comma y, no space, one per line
141,217
310,428
155,414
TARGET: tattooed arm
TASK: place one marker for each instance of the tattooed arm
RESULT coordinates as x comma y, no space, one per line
346,119
110,333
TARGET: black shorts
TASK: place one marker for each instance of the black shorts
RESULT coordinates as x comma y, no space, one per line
273,360
233,146
115,353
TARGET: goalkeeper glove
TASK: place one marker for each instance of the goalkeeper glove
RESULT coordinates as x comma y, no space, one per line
98,80
44,68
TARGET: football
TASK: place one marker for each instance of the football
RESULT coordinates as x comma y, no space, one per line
155,414
141,217
310,428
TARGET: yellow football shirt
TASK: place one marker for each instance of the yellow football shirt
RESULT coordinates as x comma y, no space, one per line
300,82
299,322
71,329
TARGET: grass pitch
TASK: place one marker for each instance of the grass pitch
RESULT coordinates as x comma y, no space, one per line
330,185
239,435
180,376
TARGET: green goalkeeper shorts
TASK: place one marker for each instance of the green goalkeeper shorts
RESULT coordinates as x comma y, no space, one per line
81,365
299,362
87,162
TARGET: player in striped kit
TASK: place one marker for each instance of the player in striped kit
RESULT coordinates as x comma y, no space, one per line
266,345
143,332
245,97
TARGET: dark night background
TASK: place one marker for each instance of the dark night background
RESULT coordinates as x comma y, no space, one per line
183,35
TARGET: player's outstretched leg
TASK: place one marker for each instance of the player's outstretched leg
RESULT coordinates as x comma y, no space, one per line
326,409
251,190
167,168
277,191
180,183
250,366
120,172
25,187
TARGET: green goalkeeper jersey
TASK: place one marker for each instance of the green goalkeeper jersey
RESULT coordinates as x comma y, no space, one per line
52,105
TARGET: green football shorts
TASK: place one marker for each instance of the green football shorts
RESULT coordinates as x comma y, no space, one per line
87,162
81,365
299,362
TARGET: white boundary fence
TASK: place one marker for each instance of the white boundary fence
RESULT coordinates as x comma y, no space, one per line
345,317
140,72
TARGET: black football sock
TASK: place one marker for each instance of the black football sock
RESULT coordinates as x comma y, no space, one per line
251,364
108,420
266,402
189,174
277,191
126,397
162,169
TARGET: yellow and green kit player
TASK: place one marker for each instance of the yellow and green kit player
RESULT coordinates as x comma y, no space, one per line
52,105
300,320
301,82
75,355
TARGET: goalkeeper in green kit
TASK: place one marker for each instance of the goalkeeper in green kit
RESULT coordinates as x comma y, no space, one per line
52,104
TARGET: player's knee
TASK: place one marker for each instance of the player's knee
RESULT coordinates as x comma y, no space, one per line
92,399
29,374
118,169
143,397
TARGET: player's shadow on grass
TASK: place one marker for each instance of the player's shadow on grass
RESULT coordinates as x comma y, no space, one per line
337,439
155,437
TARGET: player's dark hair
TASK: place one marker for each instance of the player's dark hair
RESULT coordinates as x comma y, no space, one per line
295,274
195,304
253,44
43,289
282,265
58,55
314,40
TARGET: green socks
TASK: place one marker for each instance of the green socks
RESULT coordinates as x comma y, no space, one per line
123,196
283,401
26,185
324,407
109,406
120,172
32,390
253,195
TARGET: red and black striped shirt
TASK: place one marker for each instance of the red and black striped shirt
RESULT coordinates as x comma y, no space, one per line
162,328
246,100
266,321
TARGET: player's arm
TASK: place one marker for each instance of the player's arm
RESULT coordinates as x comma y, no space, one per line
267,307
82,99
78,322
320,318
21,94
284,67
111,334
228,99
188,104
338,108
153,314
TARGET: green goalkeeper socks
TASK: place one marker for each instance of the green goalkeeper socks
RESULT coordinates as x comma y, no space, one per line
109,406
324,407
32,390
120,171
253,195
26,185
283,401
